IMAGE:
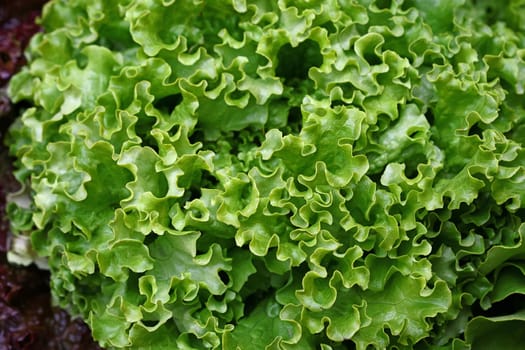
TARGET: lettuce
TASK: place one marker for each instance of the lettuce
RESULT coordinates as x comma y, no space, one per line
278,174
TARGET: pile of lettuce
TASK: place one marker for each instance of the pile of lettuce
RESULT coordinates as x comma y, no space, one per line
28,321
307,174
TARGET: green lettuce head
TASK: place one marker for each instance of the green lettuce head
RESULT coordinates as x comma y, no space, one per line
283,174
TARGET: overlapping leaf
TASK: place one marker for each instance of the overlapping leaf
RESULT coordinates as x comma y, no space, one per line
280,175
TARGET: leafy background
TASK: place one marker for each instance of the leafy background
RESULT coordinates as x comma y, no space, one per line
280,175
27,318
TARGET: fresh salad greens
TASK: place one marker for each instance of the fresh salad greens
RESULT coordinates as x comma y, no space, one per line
27,318
307,174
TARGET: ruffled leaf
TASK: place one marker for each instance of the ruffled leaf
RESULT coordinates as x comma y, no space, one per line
280,175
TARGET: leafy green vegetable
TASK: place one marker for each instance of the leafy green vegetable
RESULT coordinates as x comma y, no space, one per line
278,174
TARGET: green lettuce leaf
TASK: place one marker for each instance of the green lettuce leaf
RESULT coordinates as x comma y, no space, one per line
277,174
